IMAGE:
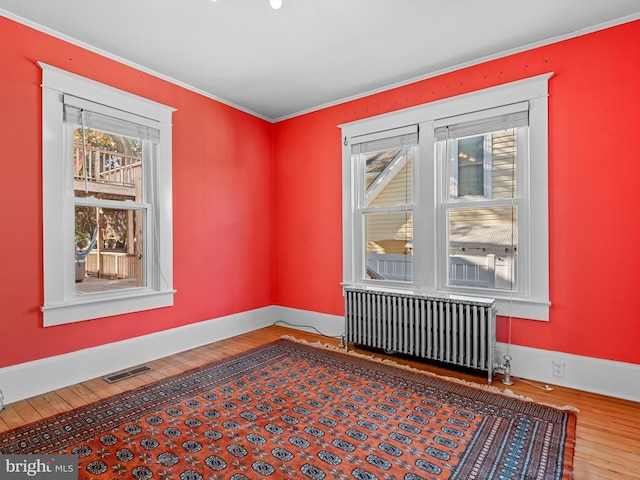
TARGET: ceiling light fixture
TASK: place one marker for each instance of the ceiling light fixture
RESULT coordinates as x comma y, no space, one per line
275,4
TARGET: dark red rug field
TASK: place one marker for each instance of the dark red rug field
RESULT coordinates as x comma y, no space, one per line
292,410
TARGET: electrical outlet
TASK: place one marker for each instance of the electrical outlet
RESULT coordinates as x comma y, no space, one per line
558,369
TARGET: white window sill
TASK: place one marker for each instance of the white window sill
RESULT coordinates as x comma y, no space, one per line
105,306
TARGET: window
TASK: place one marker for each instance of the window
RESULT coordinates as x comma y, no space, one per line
385,204
481,160
451,198
107,208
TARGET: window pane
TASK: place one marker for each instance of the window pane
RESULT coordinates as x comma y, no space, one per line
389,177
108,249
483,243
112,167
484,165
389,246
470,166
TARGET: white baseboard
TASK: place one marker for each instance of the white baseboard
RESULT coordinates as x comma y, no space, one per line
25,380
605,377
314,322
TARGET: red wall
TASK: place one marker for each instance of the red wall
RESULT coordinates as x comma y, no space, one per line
254,228
222,203
594,178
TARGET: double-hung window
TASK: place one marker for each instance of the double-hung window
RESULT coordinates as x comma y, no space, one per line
451,198
107,200
480,161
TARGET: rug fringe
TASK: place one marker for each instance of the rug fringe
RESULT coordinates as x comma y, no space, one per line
488,388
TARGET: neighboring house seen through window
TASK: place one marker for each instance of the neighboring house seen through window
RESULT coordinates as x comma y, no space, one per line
451,198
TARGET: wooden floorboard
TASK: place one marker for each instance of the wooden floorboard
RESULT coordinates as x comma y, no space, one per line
608,429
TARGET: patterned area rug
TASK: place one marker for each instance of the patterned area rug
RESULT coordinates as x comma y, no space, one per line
293,410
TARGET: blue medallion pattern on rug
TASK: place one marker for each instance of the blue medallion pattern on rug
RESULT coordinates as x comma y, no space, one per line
290,410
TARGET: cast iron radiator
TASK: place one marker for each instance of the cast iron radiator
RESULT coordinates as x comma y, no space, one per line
451,329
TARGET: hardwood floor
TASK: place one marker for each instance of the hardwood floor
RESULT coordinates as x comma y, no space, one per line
608,431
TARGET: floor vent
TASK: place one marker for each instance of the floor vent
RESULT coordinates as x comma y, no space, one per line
114,377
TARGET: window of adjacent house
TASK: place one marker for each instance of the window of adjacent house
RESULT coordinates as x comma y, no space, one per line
451,198
468,169
107,190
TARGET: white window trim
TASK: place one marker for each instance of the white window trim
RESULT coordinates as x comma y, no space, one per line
534,303
61,304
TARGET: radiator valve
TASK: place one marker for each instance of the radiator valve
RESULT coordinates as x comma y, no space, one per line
505,368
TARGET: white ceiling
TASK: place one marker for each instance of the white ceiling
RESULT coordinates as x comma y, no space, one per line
310,53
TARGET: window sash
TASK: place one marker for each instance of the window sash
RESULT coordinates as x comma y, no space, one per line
130,259
488,239
517,201
388,220
396,265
